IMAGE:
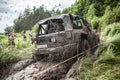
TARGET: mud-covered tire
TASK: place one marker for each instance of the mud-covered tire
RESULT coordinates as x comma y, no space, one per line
86,47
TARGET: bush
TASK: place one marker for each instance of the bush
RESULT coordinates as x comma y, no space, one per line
110,16
6,58
20,43
3,41
22,50
34,28
95,23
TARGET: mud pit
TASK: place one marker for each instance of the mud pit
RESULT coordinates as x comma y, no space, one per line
40,70
46,68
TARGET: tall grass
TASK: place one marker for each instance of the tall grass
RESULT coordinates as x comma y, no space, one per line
107,65
110,31
7,57
21,50
93,70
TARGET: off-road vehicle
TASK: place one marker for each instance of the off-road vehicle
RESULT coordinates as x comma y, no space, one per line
63,35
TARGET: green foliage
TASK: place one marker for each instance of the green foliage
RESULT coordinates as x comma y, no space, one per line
110,60
112,45
107,64
110,16
92,18
91,12
110,31
34,28
10,54
21,43
102,14
6,58
2,36
93,70
29,18
3,41
98,13
95,22
80,7
8,29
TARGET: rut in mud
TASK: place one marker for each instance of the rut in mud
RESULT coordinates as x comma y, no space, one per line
46,69
40,70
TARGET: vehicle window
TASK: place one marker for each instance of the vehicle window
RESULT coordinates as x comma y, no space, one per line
55,27
42,30
51,27
77,24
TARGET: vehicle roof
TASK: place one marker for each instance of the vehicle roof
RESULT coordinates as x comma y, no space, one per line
54,17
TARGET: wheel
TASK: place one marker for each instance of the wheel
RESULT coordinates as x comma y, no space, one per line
86,47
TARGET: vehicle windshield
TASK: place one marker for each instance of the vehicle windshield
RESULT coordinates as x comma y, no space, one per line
77,23
51,26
